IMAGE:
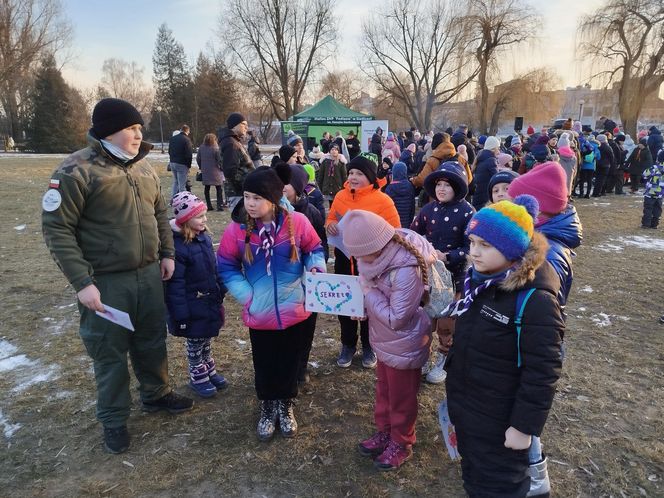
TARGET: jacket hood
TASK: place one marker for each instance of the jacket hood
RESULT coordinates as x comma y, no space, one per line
566,151
533,271
444,150
654,130
484,154
225,132
399,172
565,227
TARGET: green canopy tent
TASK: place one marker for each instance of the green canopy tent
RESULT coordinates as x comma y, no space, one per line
326,115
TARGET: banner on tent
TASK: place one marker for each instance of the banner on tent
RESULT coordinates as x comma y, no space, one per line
300,128
369,128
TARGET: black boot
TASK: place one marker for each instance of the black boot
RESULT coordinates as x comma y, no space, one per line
116,439
172,403
267,420
287,422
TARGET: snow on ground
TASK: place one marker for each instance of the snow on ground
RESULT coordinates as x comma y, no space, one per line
586,288
8,428
601,320
641,241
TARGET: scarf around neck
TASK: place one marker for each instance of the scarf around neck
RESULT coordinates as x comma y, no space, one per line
458,308
267,234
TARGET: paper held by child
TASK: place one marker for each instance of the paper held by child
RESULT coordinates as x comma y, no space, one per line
334,294
338,239
116,316
449,434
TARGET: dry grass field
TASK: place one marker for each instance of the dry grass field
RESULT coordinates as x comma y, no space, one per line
604,436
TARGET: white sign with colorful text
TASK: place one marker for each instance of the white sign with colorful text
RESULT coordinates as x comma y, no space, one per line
334,294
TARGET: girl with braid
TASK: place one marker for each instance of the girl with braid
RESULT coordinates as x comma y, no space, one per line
261,258
392,264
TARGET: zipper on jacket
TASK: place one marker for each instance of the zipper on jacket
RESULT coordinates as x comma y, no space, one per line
134,189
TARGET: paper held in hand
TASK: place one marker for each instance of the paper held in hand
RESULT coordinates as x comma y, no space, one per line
116,316
334,294
338,239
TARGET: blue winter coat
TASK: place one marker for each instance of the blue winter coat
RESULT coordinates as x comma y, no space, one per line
316,198
195,293
655,141
486,167
444,225
564,233
402,193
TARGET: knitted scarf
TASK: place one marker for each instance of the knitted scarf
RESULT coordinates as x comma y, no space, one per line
458,308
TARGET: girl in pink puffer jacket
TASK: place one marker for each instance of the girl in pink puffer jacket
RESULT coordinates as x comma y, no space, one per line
392,264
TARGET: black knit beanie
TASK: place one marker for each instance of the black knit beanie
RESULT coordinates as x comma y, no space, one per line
112,115
268,182
286,152
365,165
234,119
299,178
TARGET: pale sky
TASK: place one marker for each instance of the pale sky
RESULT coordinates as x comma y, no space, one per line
128,29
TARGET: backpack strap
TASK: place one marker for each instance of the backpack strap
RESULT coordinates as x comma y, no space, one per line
521,300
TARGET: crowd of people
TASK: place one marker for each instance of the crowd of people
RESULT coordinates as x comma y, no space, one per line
498,214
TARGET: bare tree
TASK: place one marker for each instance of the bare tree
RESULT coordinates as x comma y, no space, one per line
29,30
277,45
345,86
496,26
124,80
417,52
625,39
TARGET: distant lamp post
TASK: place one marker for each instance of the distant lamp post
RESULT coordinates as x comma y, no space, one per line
581,102
161,129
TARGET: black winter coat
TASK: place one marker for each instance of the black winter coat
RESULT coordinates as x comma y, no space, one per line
235,160
180,149
353,145
376,145
606,160
487,391
486,167
195,293
304,206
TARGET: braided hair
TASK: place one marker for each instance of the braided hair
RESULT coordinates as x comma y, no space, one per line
251,225
424,273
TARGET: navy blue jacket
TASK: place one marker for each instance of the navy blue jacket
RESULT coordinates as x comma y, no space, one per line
402,193
316,199
655,141
444,225
564,233
486,167
195,293
180,149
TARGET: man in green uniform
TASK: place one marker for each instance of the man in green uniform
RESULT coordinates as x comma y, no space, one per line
105,223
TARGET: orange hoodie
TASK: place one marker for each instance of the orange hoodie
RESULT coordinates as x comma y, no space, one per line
367,198
444,152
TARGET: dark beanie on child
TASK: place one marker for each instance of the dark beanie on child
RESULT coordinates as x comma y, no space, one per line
365,165
298,178
268,182
234,119
286,152
503,176
112,115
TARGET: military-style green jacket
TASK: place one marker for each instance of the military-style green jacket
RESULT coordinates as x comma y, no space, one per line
100,216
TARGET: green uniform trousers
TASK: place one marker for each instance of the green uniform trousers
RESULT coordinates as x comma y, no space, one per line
141,294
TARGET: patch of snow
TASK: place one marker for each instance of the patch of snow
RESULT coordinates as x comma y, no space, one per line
601,320
587,288
44,375
643,242
329,340
9,429
623,318
240,342
20,227
6,349
582,308
314,364
14,362
601,204
606,247
65,306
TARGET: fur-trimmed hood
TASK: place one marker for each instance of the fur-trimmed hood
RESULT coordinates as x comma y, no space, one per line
533,271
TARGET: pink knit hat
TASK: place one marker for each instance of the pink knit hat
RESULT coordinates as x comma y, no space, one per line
186,206
503,160
365,233
547,182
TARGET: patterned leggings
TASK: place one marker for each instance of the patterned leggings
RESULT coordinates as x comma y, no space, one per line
199,351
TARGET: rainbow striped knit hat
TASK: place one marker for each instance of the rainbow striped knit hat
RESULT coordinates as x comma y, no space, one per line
507,225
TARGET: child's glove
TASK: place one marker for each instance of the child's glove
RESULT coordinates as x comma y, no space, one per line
516,439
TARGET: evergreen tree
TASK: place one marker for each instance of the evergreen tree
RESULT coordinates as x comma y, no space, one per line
215,94
172,81
59,119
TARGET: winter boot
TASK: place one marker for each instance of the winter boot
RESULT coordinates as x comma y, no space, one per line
116,439
287,422
539,479
437,374
172,403
216,379
393,457
375,445
368,357
346,356
200,381
267,420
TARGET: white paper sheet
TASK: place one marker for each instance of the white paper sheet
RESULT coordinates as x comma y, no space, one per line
116,316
